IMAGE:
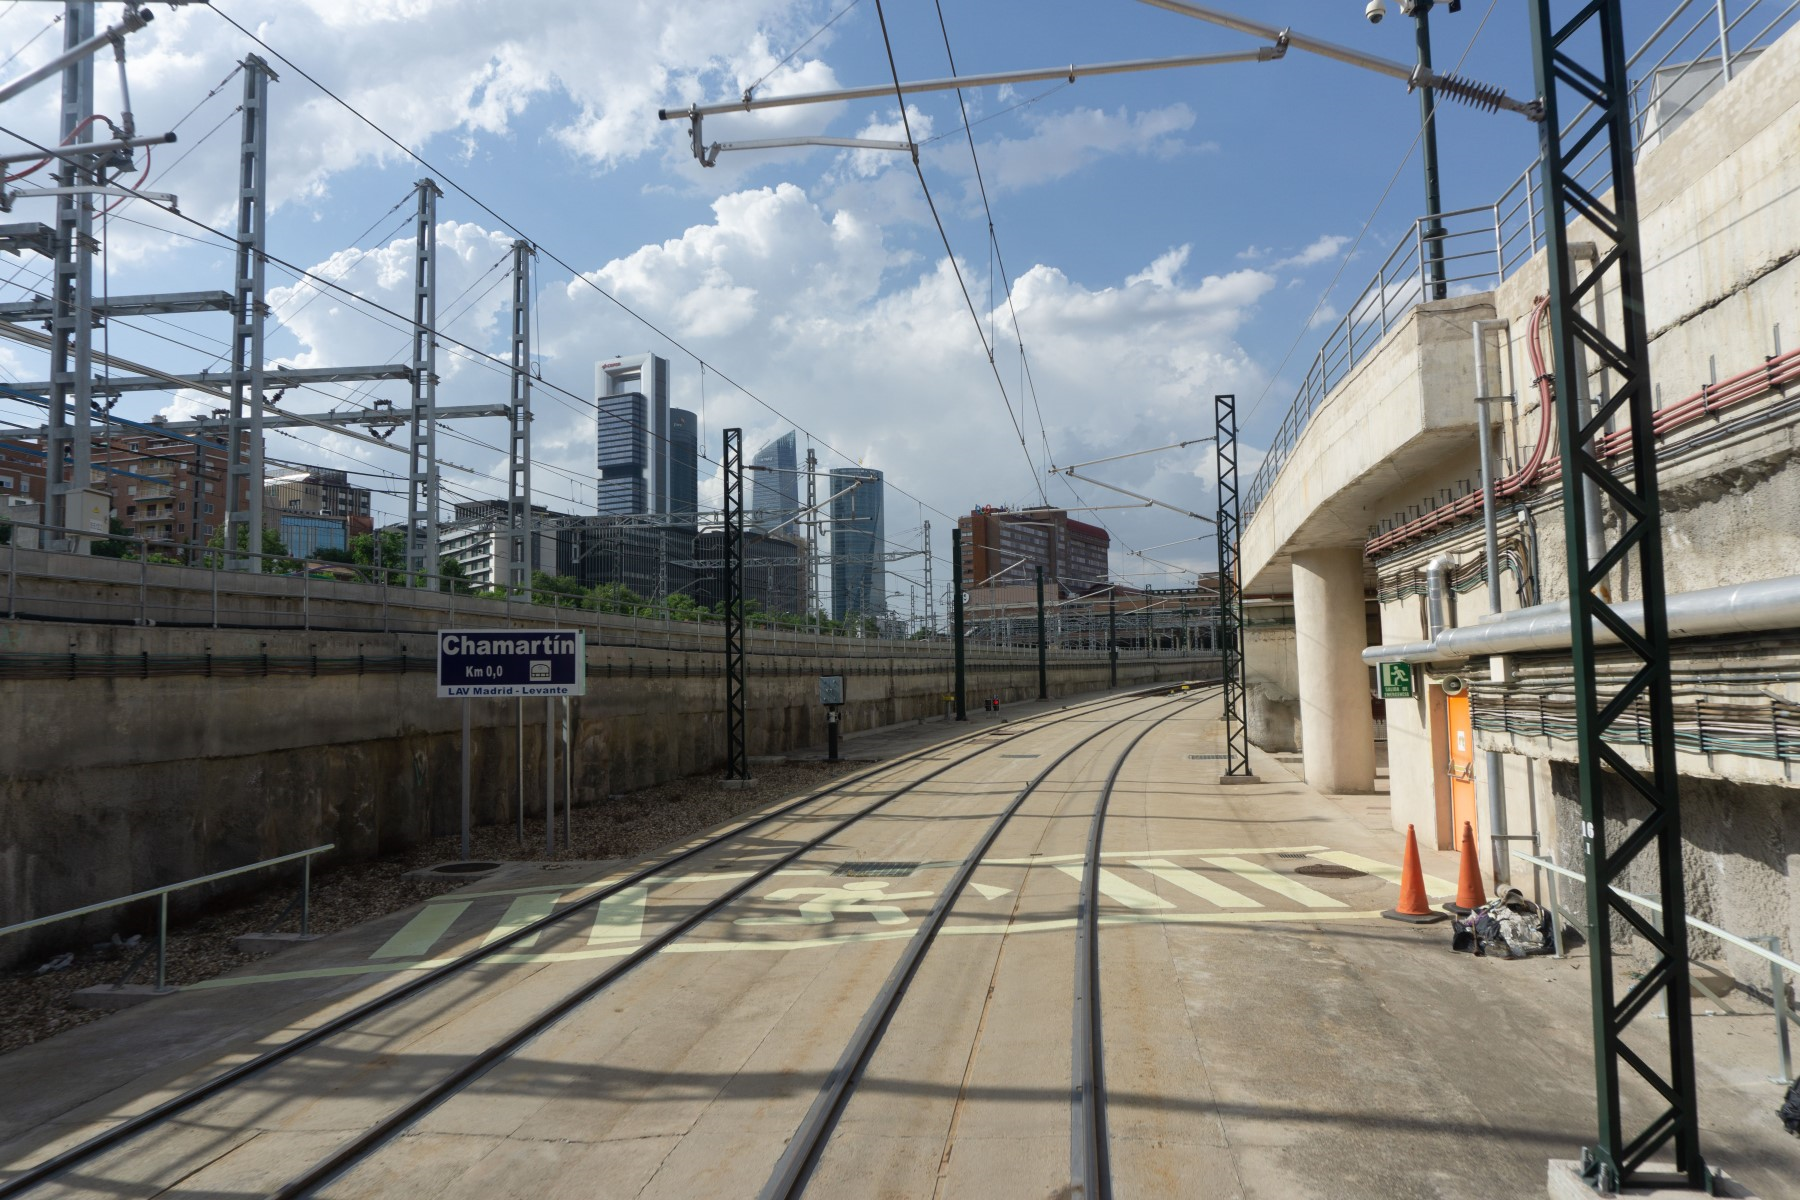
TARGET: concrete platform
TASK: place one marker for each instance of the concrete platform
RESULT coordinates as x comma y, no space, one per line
1566,1183
1267,1035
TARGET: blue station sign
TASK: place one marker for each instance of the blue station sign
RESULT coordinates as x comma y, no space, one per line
480,663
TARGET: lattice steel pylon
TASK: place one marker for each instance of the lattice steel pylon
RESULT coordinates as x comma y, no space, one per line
70,432
1231,597
521,532
244,456
737,759
422,487
1583,60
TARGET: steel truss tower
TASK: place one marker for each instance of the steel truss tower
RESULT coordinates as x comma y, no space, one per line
1583,62
70,432
521,538
422,474
737,761
1231,597
244,450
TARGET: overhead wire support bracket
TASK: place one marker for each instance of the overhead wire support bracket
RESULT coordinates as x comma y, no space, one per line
707,155
1481,95
113,35
1113,487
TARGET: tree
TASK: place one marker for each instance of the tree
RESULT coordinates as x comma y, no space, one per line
276,557
453,577
560,590
115,546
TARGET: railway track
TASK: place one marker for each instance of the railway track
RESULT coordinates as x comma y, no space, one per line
1088,1153
366,1143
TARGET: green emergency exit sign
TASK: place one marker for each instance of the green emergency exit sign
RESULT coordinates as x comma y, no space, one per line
1396,681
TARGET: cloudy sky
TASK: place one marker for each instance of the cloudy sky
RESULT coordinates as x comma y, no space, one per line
1167,235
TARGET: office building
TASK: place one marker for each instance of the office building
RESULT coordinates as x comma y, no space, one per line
1004,548
774,571
858,540
648,454
318,492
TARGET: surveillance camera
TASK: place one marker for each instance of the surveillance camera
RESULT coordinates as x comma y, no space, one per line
1375,10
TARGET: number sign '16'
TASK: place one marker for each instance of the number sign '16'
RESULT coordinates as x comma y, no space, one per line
511,662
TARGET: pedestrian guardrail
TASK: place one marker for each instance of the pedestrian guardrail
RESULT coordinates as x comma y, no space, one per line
1767,947
303,900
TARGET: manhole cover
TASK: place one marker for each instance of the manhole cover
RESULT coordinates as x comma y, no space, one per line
865,870
1331,871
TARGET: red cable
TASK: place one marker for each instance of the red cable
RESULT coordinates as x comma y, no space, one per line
39,164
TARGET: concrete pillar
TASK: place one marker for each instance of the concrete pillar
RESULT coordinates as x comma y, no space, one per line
1337,730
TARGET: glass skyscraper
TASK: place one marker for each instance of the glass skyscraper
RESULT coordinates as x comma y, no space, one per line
775,487
858,538
647,453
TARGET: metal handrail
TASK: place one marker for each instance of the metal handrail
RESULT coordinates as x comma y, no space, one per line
161,894
1516,226
1778,964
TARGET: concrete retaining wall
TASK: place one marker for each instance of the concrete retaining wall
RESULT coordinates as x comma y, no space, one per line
116,784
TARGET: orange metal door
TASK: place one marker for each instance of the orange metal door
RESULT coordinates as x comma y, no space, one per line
1461,767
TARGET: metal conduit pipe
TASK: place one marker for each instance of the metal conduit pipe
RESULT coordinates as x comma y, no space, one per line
1490,759
1764,604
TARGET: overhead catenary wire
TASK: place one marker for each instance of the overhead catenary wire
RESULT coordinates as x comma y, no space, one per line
575,275
949,253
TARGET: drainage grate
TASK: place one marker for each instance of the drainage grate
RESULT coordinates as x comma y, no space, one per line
1206,757
1331,871
1292,854
865,870
1020,756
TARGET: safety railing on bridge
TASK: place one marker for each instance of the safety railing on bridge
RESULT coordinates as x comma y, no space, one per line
1696,49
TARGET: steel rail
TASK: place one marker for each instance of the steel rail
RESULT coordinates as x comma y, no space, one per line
358,1148
1092,1156
794,1168
42,1172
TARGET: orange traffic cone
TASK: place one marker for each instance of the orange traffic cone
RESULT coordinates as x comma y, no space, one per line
1413,906
1469,893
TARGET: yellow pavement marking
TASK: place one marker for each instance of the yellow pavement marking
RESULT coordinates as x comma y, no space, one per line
1117,887
1343,858
1259,874
616,950
521,912
1053,859
619,918
1195,883
607,881
417,935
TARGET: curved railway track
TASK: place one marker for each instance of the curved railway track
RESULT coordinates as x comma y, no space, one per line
472,1068
795,1167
